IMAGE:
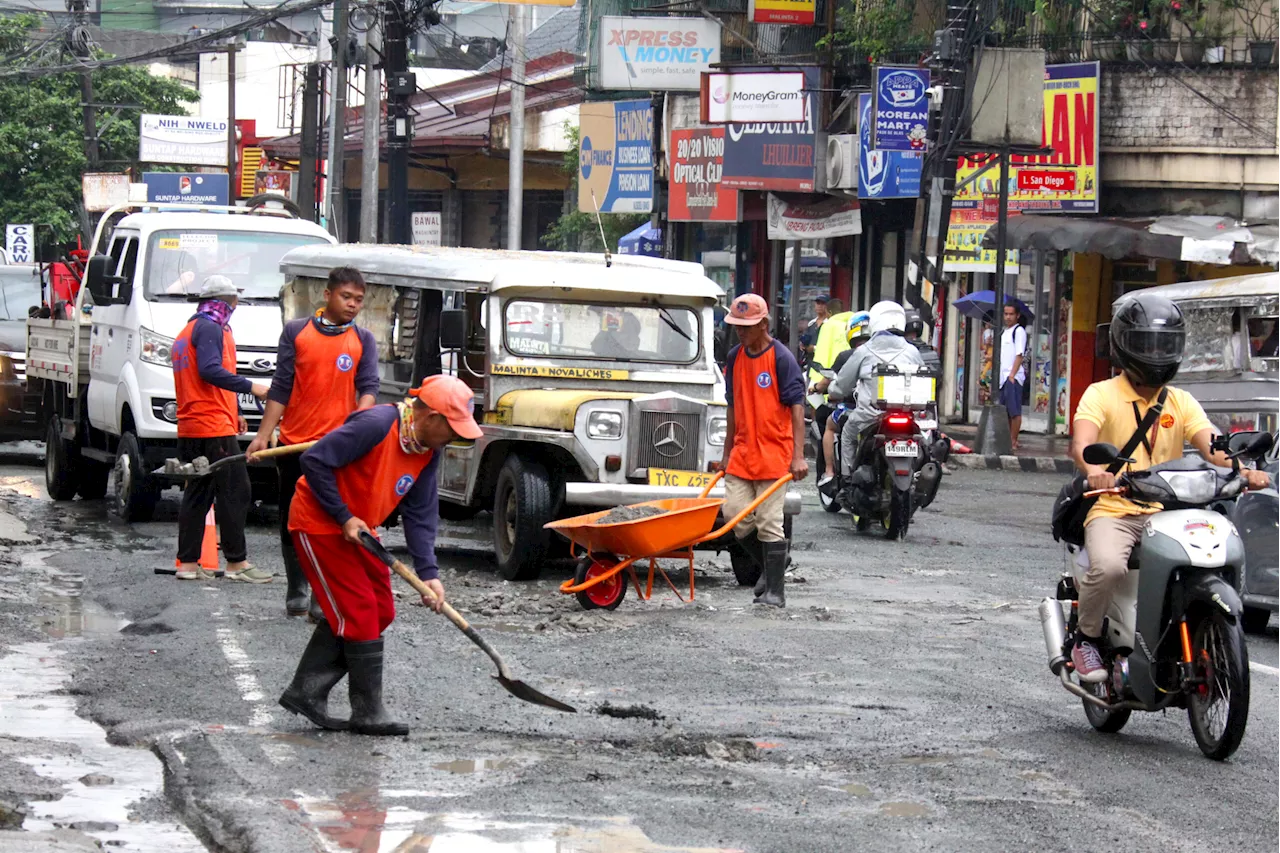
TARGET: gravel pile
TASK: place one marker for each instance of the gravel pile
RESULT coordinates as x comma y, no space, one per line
628,513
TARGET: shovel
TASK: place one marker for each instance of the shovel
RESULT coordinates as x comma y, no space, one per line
518,689
282,450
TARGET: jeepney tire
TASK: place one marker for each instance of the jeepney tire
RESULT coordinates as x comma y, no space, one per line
450,511
94,478
61,463
136,495
520,542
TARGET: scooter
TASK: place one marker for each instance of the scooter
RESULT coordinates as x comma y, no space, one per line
1255,514
1173,634
828,495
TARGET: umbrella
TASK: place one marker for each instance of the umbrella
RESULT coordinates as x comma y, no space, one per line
645,240
979,304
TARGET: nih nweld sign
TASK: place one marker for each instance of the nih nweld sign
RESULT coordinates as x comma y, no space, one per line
182,140
656,54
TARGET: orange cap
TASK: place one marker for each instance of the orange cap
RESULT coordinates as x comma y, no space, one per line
747,310
451,397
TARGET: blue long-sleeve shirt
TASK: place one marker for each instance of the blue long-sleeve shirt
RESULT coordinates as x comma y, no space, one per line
420,506
206,337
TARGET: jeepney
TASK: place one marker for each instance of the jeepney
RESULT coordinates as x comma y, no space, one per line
594,378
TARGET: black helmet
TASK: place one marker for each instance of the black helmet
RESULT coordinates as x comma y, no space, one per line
915,325
1147,338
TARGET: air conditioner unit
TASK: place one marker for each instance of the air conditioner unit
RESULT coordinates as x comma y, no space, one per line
842,161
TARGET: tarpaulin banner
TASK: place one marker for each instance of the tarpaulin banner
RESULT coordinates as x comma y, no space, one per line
695,193
1065,181
884,174
773,155
901,108
964,251
182,140
615,157
782,11
656,54
811,220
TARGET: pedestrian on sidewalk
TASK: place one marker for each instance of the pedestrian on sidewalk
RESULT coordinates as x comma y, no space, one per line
353,479
206,385
764,440
326,368
1013,369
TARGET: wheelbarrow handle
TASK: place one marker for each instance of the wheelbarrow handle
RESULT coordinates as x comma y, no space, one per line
747,510
710,485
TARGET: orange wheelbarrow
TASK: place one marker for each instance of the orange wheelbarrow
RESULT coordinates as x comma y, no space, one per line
612,548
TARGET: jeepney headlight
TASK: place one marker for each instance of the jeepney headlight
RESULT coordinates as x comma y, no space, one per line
716,429
156,349
604,425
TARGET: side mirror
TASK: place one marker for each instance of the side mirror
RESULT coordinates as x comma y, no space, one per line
1250,445
1101,454
453,329
1102,341
99,281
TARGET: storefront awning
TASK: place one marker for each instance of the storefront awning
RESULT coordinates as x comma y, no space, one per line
1203,239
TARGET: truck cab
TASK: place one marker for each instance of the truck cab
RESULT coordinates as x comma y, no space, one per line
108,394
594,377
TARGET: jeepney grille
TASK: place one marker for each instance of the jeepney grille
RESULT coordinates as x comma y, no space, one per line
656,426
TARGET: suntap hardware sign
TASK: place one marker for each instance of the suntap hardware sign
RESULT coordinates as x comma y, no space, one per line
656,54
755,96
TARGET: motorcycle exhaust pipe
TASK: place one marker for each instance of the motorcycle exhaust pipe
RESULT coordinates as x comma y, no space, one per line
1055,632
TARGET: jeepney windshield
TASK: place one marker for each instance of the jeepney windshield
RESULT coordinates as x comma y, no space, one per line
179,261
654,333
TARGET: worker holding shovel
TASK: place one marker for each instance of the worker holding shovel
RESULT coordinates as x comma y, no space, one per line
326,368
353,479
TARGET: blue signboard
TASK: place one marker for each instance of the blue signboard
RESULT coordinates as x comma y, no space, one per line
884,174
615,157
902,109
187,187
773,156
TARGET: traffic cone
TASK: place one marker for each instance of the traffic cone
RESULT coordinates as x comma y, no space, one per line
209,546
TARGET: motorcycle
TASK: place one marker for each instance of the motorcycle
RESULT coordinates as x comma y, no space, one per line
1255,515
827,496
1173,634
895,471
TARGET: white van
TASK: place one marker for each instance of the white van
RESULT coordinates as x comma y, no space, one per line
107,392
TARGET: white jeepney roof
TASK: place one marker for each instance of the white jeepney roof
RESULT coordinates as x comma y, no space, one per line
499,269
1236,287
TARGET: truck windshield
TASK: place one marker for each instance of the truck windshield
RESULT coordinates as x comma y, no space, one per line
178,262
610,332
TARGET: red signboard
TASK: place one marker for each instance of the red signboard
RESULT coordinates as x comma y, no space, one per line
1051,181
697,165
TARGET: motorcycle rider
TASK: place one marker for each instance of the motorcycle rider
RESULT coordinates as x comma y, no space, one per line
856,383
914,331
1147,337
858,332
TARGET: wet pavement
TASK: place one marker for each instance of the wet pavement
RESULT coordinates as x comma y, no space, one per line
900,702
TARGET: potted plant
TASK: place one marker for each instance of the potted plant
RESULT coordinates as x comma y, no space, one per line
1155,27
1259,18
1109,26
1214,33
1060,28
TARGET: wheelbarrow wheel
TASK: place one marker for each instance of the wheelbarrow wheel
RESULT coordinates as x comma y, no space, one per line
606,595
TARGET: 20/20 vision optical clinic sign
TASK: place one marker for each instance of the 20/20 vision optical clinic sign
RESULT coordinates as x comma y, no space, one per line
615,157
656,54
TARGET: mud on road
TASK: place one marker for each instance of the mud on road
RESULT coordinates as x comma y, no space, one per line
901,701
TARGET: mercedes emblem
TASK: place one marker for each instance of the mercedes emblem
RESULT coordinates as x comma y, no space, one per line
669,439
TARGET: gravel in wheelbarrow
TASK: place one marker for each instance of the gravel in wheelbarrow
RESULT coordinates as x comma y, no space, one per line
628,513
665,525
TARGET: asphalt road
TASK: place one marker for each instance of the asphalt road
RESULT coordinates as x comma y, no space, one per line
900,702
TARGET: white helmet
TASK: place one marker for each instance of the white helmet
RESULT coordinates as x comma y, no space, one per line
888,316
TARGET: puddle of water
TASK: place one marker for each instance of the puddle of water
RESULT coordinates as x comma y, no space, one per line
857,789
25,486
475,765
32,708
904,809
356,821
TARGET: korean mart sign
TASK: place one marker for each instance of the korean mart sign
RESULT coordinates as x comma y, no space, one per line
773,155
902,109
656,54
1065,181
782,11
615,157
695,169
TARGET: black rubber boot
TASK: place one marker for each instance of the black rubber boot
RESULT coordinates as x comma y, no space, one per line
322,666
314,613
295,594
775,574
368,717
752,545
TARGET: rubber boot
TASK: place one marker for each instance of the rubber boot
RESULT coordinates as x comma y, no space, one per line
775,574
314,613
322,666
295,594
368,717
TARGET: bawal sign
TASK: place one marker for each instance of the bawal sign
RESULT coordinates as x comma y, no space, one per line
754,96
656,54
1065,181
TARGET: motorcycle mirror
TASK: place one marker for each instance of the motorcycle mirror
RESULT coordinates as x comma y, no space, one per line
1262,443
1101,454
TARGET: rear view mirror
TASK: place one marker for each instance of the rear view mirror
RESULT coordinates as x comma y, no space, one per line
1101,454
1102,341
1251,445
453,329
98,280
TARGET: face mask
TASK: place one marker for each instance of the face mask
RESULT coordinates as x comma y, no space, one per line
216,310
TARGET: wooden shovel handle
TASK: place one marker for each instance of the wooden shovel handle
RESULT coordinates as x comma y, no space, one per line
284,450
414,581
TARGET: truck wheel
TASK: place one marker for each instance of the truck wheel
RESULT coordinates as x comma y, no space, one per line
94,477
521,505
136,495
61,458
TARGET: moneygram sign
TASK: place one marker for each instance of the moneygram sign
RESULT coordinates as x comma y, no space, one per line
183,140
757,96
656,54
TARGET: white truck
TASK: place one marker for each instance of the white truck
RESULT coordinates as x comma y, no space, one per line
104,376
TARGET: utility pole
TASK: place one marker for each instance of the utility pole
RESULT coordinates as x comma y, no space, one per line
309,142
369,145
997,308
400,86
337,121
231,121
515,148
78,43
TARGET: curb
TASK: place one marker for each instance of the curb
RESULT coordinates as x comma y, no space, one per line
1033,464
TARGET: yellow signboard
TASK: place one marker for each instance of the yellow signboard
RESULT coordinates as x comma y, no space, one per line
783,11
554,372
963,251
679,479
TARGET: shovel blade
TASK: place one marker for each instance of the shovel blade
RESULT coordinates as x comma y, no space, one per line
520,690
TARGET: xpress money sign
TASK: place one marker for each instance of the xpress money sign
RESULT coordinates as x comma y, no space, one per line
656,54
615,157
